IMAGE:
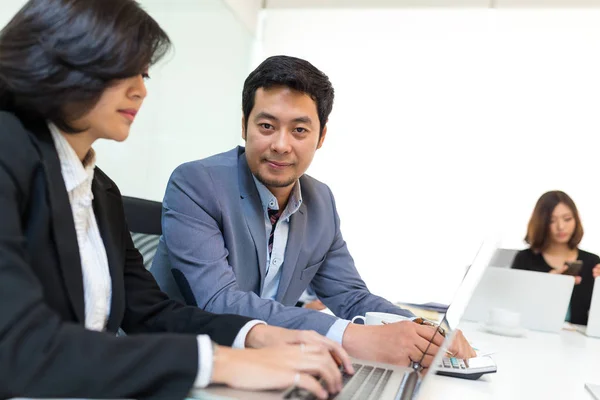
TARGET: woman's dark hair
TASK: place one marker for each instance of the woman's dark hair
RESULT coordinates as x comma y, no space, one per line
294,73
62,54
538,230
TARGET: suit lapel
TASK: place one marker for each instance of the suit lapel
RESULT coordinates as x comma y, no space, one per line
110,228
292,250
254,214
63,225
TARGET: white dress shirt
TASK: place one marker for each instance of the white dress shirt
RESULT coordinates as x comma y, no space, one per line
97,284
276,258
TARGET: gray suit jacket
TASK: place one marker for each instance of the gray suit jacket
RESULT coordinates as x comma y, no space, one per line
213,244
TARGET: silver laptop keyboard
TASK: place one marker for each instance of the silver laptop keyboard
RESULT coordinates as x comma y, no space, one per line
366,382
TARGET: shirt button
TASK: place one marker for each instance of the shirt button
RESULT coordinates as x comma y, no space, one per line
275,261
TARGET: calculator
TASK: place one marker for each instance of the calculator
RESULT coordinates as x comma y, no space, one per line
472,368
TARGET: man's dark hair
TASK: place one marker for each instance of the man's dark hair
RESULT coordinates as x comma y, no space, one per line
62,54
295,73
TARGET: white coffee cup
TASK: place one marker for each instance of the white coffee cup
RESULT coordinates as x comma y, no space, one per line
503,318
379,318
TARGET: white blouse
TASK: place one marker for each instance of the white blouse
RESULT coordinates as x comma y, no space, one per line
97,285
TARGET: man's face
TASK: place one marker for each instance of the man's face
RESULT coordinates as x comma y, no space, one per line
282,136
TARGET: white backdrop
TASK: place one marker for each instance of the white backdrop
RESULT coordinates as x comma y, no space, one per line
194,95
447,126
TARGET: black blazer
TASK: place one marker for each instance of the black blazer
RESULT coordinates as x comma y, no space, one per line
44,349
582,293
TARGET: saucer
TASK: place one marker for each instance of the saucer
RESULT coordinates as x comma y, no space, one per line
504,331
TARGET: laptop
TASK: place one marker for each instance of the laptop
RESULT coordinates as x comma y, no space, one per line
384,381
504,258
593,326
541,299
594,390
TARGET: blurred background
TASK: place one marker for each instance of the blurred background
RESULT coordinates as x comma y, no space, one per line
451,118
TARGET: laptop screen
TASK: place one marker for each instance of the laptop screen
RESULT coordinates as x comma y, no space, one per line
463,295
469,283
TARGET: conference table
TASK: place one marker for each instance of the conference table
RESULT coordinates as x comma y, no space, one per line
538,365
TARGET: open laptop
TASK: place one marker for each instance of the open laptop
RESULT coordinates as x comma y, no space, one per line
542,299
388,382
593,326
594,390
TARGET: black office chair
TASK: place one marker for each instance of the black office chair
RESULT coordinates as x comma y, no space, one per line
144,220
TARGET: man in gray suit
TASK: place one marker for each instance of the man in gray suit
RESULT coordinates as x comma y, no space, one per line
246,231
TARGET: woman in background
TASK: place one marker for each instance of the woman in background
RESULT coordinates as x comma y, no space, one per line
553,234
72,72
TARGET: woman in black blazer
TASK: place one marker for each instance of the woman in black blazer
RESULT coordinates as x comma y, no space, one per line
71,71
553,234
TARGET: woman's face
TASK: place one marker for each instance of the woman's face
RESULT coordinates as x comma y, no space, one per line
562,224
112,116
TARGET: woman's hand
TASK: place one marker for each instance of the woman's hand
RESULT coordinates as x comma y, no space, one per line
278,367
265,335
562,269
559,270
596,271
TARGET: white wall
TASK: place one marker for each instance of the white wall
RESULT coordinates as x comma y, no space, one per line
429,3
448,123
8,8
193,108
447,126
194,101
246,11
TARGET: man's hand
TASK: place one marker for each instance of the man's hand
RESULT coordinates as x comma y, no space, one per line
596,271
460,347
315,305
398,343
401,342
267,336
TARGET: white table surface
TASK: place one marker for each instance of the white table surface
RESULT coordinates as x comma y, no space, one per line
537,366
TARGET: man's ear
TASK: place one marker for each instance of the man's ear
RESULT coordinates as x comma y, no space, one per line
243,128
322,138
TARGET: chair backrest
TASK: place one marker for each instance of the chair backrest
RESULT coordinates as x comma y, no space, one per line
503,258
143,219
143,216
146,245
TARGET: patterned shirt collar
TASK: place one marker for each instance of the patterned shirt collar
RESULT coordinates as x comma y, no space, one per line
269,201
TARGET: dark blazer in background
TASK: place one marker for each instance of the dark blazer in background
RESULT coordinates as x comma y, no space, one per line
582,293
44,349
